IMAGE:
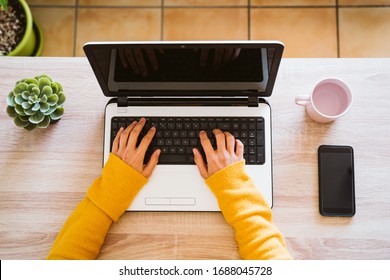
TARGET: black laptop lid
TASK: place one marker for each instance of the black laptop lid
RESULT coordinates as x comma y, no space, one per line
185,68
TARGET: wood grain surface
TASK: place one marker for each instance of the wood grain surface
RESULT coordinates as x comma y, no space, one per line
45,173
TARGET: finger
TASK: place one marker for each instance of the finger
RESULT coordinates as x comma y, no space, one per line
145,142
200,163
205,142
239,149
230,142
236,53
221,139
149,167
152,58
227,56
135,133
123,141
139,58
122,58
131,60
217,58
204,53
115,143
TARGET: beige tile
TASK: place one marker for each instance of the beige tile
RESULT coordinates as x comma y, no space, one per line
52,2
219,3
57,25
205,24
306,32
114,24
147,3
364,32
293,3
364,2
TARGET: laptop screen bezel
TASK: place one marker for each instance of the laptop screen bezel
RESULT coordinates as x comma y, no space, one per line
187,89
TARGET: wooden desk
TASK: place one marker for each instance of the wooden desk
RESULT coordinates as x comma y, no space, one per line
45,173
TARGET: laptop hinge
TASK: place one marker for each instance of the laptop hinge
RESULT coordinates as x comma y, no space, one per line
122,101
253,101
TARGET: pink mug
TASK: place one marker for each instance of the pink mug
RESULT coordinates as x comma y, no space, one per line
330,99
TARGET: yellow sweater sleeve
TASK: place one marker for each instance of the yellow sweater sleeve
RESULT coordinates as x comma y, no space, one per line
246,210
107,199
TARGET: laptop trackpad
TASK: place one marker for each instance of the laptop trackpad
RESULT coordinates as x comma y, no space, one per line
170,200
175,187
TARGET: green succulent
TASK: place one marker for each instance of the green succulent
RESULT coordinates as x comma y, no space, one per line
36,102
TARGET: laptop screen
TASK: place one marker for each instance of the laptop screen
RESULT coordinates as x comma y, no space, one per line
151,67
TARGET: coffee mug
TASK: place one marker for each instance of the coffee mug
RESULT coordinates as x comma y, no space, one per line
330,99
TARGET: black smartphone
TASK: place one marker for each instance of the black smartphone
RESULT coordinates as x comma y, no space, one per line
336,180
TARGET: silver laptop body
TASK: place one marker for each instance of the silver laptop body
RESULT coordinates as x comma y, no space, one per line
187,79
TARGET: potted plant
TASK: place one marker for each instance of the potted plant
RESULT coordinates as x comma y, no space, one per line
19,34
36,102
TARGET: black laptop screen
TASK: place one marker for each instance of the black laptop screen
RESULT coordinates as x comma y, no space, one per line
150,67
188,65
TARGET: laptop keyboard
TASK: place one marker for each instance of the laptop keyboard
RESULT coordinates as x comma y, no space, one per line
177,136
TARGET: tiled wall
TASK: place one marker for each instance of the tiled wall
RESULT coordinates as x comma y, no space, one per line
309,28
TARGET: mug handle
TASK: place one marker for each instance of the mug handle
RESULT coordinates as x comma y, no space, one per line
302,100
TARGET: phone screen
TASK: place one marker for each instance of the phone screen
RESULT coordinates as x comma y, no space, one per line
336,180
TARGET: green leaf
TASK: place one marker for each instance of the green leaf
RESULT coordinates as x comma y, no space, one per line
29,111
10,99
52,99
35,91
36,107
43,76
31,87
19,122
57,114
59,86
19,109
54,87
44,98
47,91
19,99
44,106
43,82
26,105
45,123
51,110
37,118
61,98
19,88
33,98
25,94
4,4
31,81
30,126
11,112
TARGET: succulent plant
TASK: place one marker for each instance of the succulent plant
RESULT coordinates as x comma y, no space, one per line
36,102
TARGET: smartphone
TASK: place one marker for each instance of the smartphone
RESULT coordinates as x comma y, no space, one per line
336,180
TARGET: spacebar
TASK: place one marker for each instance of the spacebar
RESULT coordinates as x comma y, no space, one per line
172,159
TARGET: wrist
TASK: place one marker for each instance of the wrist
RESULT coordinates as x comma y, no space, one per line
114,191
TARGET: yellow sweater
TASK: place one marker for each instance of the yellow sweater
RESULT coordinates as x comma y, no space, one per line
242,205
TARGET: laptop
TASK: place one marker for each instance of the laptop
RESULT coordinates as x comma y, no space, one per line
182,88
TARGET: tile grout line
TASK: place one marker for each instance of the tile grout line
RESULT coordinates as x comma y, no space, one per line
249,19
162,21
76,12
337,29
